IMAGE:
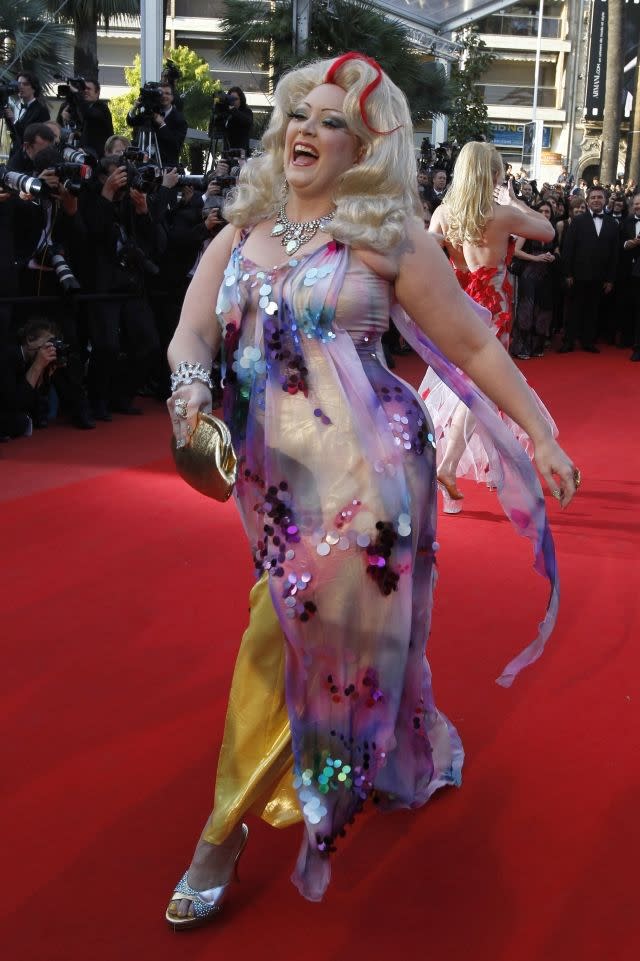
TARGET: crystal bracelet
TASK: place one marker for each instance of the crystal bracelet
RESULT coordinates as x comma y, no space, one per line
186,373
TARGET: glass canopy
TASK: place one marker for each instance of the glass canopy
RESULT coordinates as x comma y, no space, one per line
443,15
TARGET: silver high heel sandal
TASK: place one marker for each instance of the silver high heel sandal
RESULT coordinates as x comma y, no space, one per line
206,904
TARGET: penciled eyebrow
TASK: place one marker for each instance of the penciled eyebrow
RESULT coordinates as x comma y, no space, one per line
323,109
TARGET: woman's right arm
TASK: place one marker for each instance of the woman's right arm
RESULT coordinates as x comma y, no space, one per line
197,336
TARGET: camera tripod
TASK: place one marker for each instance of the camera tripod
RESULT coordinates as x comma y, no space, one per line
218,143
147,142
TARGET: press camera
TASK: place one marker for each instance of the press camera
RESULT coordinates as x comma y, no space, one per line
8,88
149,103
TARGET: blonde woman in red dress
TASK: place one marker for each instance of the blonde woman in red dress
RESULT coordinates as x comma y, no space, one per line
475,224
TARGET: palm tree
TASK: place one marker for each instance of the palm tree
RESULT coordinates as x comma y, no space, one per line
85,16
29,40
612,94
263,31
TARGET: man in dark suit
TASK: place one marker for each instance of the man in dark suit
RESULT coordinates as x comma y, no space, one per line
435,193
589,264
631,260
31,109
171,129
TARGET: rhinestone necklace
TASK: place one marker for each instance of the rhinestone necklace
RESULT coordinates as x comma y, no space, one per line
293,235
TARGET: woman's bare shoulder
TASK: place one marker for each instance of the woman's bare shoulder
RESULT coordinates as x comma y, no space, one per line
388,264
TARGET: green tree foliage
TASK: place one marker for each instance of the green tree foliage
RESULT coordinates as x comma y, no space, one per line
196,86
29,41
262,32
468,117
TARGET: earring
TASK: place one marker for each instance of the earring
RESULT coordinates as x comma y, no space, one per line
284,189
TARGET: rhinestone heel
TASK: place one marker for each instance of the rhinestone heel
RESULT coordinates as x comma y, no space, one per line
206,904
450,505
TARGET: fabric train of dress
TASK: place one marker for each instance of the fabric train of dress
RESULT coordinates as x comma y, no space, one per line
489,287
337,494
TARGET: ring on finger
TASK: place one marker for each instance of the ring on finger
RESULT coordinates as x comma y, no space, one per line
181,407
557,493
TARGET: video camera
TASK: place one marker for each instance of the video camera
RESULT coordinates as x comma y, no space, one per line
8,88
65,92
21,183
220,110
149,103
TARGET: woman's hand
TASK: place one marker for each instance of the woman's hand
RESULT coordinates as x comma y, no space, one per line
184,406
562,477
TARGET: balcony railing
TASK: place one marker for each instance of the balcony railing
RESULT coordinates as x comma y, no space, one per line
200,8
520,26
507,95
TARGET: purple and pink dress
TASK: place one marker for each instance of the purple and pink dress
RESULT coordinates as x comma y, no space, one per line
337,493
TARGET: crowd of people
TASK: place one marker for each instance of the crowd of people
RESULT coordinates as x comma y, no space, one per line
583,285
101,235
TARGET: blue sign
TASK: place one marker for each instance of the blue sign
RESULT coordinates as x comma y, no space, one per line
512,135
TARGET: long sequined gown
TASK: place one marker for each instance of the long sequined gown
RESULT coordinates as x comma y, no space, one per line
490,287
337,493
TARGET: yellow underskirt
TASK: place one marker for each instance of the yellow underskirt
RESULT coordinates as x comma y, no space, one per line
255,767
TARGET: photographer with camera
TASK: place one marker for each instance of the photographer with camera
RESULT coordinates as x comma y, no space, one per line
36,137
28,370
155,113
84,109
30,111
231,120
124,242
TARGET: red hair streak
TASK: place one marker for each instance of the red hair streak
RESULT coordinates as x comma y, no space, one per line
368,90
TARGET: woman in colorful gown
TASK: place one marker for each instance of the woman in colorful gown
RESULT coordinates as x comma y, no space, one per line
331,702
536,283
476,223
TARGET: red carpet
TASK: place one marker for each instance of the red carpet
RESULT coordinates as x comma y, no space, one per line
124,596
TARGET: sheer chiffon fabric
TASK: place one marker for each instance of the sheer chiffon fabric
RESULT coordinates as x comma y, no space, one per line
337,494
489,287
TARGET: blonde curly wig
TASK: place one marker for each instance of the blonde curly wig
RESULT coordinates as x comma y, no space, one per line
469,199
373,199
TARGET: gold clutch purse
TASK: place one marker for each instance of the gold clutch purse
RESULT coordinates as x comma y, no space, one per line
208,462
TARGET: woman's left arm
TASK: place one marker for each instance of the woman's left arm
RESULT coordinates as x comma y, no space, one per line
430,295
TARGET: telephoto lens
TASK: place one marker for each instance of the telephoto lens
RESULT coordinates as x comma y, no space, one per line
21,183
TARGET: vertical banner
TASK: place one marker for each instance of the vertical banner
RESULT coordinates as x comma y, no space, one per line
532,149
594,101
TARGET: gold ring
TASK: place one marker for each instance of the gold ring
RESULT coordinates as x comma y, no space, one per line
577,477
181,407
557,493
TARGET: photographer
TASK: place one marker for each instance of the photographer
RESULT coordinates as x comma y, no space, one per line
154,111
31,109
124,242
36,137
28,370
84,109
231,120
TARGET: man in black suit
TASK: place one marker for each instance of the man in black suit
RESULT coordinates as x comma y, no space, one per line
435,193
589,264
31,109
171,129
630,235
